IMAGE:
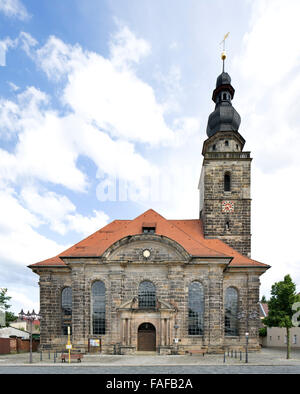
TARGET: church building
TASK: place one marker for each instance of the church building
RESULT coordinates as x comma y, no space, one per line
169,286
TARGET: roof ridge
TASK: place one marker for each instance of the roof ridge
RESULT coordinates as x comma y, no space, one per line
200,243
148,211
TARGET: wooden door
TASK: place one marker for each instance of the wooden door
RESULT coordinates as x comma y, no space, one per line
147,338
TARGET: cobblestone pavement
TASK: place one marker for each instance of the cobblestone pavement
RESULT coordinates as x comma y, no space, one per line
267,357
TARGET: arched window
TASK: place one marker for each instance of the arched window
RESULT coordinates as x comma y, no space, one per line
147,295
231,312
227,225
66,310
227,182
98,308
196,308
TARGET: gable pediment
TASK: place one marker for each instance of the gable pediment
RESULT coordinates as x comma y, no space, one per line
159,248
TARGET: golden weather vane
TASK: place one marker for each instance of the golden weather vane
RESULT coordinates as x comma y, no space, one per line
223,56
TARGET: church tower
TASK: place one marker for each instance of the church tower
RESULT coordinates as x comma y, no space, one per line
225,203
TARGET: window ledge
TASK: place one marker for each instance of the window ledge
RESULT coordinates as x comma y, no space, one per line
96,336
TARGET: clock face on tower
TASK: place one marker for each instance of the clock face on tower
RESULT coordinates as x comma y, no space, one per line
227,206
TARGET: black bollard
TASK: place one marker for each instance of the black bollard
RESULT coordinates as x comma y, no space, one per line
224,360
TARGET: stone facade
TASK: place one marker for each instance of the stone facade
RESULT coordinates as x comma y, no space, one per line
234,227
171,270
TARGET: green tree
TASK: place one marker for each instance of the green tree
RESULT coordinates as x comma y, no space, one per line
263,332
283,296
263,300
4,299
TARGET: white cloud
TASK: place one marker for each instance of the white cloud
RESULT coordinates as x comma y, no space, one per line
60,213
271,47
112,98
25,298
14,8
87,225
170,86
275,219
8,117
26,42
125,48
5,44
13,86
51,207
112,109
267,74
57,59
174,45
20,241
44,148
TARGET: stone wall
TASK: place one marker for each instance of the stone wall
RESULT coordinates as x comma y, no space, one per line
52,282
123,317
234,228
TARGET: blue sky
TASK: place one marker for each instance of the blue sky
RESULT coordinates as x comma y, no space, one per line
102,97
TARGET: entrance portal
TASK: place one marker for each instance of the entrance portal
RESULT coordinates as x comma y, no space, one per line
147,337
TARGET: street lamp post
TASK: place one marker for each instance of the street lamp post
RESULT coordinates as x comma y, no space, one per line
248,315
31,317
176,339
247,338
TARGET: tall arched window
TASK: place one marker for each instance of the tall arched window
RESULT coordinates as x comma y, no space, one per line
66,310
147,295
227,182
196,309
231,312
98,308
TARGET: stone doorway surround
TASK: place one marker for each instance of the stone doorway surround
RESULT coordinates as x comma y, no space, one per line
162,318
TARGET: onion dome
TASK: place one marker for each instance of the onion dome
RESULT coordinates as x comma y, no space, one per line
224,117
223,79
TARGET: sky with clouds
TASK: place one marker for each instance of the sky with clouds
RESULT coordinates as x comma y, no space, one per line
103,113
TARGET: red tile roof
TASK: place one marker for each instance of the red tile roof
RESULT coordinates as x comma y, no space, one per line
187,233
